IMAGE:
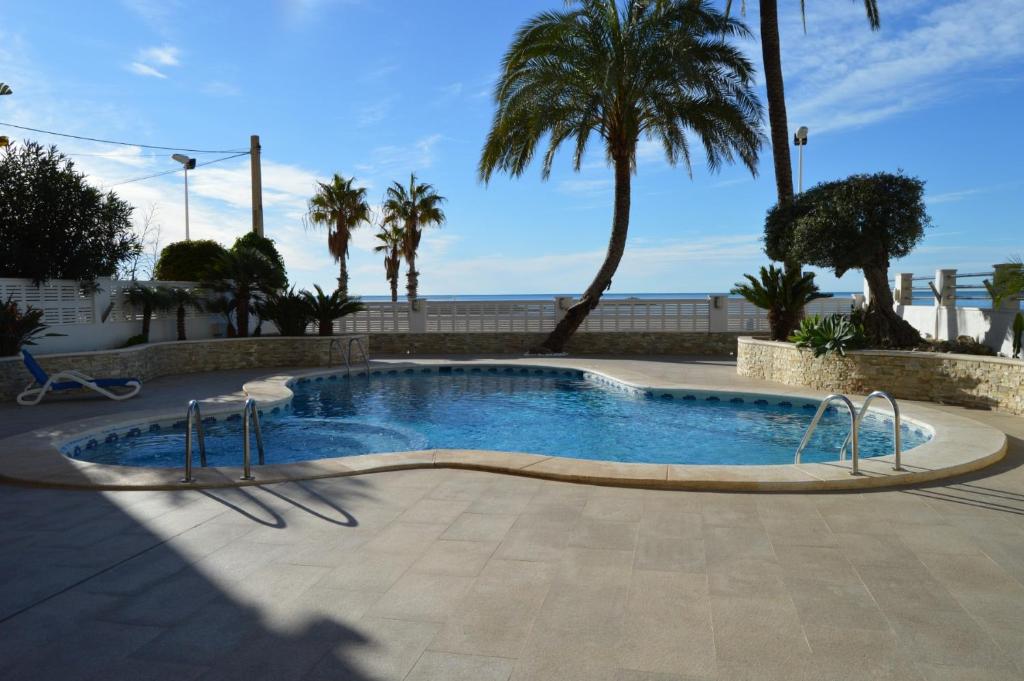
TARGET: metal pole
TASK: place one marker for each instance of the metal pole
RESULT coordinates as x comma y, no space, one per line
800,190
257,184
186,204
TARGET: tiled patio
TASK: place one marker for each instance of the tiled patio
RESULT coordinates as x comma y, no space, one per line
461,575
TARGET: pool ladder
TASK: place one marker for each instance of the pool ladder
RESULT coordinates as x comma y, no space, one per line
856,418
347,355
250,422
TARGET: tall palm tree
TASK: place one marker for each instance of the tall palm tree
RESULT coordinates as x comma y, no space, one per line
659,68
412,209
775,90
391,238
340,206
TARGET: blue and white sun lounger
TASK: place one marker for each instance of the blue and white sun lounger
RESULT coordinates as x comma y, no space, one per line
71,380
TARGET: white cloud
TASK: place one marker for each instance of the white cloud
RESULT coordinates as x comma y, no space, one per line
843,75
141,69
166,55
389,159
220,88
585,187
375,112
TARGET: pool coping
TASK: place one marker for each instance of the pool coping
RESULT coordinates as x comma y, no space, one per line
958,445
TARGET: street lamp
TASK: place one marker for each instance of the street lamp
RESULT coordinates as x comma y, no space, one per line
800,140
189,164
5,89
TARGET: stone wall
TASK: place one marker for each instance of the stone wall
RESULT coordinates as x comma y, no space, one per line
185,357
985,382
588,343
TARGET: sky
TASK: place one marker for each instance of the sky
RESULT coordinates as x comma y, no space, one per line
382,88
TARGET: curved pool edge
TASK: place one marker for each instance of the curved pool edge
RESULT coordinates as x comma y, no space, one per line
959,445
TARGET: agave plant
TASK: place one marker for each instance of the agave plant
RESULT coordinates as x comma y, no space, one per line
783,293
836,333
326,308
288,310
18,328
149,299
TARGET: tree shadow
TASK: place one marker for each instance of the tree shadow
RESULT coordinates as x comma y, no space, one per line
141,585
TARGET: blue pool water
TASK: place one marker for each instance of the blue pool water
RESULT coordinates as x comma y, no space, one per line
521,410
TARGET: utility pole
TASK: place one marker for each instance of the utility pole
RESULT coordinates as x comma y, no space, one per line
257,184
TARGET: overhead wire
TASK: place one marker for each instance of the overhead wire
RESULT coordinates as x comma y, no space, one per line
124,144
175,170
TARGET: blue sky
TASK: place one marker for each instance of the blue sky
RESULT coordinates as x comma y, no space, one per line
379,88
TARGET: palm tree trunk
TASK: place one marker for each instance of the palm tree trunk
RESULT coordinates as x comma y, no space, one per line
412,277
770,51
342,260
574,316
181,322
394,288
147,319
242,313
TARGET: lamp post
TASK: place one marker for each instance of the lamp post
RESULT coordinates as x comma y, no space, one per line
5,89
188,164
800,140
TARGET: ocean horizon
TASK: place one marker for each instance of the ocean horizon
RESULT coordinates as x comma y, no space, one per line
549,296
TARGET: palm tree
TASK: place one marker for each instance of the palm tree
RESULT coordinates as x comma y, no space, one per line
772,57
149,299
391,238
245,271
324,309
783,293
658,68
182,298
412,209
340,207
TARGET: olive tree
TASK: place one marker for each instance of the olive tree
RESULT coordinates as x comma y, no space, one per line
861,222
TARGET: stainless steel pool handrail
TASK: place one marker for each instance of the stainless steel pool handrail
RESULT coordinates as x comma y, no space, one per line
897,445
362,349
193,416
250,416
347,355
855,442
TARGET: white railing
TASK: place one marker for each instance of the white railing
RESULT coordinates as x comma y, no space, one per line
637,314
508,316
62,302
377,318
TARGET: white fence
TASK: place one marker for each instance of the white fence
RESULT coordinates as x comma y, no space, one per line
950,304
103,318
100,317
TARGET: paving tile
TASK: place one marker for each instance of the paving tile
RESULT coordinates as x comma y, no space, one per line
757,630
363,570
848,606
948,638
422,597
385,649
435,666
402,537
434,511
466,558
604,534
480,527
497,614
658,552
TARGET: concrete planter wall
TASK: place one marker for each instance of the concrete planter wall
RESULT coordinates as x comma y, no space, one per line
968,380
185,357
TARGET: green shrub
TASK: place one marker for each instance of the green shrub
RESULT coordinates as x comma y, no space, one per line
289,311
824,336
783,293
18,329
326,308
189,261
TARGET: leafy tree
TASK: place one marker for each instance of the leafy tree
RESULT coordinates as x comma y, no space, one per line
189,261
861,222
617,70
324,308
411,210
340,207
391,238
783,293
53,224
245,271
149,299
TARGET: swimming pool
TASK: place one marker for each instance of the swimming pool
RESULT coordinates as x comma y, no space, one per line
560,412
